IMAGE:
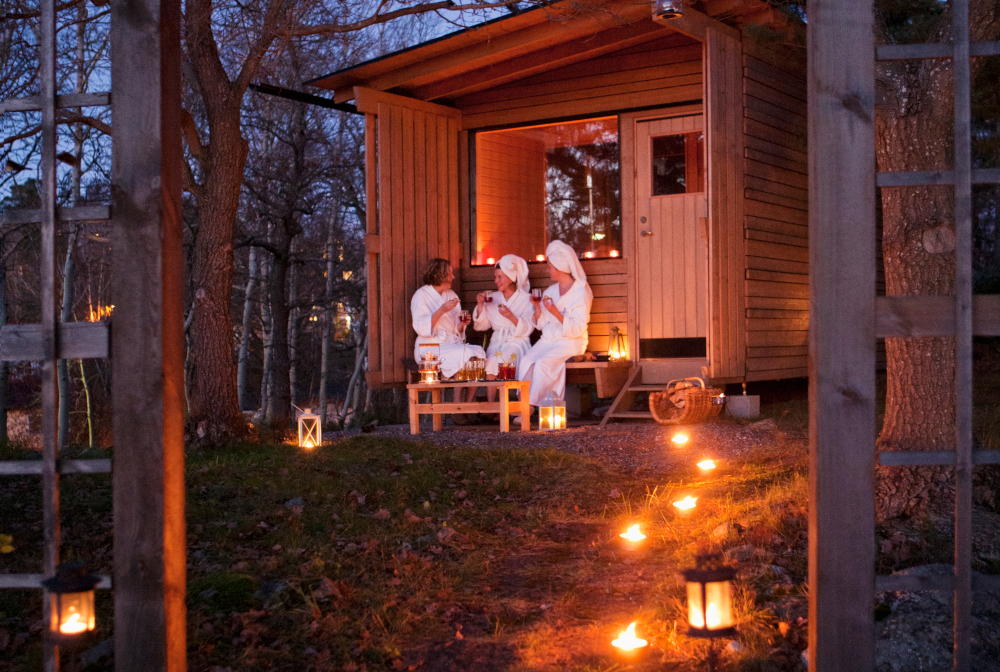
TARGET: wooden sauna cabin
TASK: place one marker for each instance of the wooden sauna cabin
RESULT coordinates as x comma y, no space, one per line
670,153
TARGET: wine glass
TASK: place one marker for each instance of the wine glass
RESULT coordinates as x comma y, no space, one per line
536,294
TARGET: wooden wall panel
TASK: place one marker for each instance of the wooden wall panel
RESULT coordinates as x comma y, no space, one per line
776,218
725,145
412,183
661,72
510,196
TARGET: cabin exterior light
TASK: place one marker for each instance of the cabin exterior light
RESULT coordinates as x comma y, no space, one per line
72,592
310,435
669,9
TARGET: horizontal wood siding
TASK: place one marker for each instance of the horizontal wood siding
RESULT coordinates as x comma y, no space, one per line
661,72
607,278
776,217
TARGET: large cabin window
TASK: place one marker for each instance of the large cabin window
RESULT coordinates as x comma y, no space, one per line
540,183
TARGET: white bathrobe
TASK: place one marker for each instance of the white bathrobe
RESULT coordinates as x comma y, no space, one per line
507,339
545,363
454,353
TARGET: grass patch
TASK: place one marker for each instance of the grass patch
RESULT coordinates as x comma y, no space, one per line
379,554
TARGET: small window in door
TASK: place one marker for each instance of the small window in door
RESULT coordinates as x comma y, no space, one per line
678,164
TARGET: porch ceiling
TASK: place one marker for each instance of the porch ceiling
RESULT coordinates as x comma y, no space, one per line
519,46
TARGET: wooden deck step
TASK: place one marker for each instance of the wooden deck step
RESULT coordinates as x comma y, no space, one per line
646,388
631,414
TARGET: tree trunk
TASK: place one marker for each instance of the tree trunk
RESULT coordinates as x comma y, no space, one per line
241,371
62,365
267,328
279,405
215,407
324,381
914,131
293,336
4,366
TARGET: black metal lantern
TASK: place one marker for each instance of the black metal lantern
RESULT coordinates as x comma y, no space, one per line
710,604
669,9
72,590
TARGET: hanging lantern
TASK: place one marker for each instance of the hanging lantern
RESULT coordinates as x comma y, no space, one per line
709,593
551,414
310,435
72,590
669,9
617,345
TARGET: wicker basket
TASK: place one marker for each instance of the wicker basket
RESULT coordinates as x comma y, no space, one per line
684,402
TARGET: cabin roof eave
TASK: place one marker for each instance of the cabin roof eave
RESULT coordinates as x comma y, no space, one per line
504,49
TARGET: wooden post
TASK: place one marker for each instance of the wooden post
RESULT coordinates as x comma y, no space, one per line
841,336
147,354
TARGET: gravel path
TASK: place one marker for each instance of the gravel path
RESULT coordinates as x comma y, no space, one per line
628,447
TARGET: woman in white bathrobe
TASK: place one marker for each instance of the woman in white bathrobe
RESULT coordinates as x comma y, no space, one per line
435,309
508,312
562,315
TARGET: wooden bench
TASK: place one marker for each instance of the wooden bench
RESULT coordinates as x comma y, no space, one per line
436,407
609,377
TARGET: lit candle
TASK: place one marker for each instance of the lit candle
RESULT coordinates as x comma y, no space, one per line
633,534
614,253
706,465
490,260
539,257
680,439
627,641
73,625
588,255
686,503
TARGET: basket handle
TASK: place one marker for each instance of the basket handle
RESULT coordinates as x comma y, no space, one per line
682,380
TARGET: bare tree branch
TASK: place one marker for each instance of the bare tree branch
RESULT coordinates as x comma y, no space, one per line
375,19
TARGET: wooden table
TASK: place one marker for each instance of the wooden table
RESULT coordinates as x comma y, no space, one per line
437,408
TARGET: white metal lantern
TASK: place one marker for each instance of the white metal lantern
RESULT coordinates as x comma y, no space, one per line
429,364
551,414
72,590
310,434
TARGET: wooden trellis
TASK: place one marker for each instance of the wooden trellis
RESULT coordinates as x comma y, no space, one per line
146,352
846,318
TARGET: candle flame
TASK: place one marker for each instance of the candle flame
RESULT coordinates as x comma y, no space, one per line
712,615
308,443
539,257
491,261
614,253
680,439
588,255
627,641
706,464
686,503
72,625
633,534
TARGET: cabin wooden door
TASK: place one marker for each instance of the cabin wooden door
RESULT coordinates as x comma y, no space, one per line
671,238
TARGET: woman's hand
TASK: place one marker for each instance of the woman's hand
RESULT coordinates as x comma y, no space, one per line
481,298
447,306
508,313
550,306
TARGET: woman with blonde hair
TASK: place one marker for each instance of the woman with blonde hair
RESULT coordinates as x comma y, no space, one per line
436,318
562,315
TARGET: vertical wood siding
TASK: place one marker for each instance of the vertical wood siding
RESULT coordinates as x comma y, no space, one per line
510,196
776,217
416,182
724,139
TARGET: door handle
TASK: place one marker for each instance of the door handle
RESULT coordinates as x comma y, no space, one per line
645,234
